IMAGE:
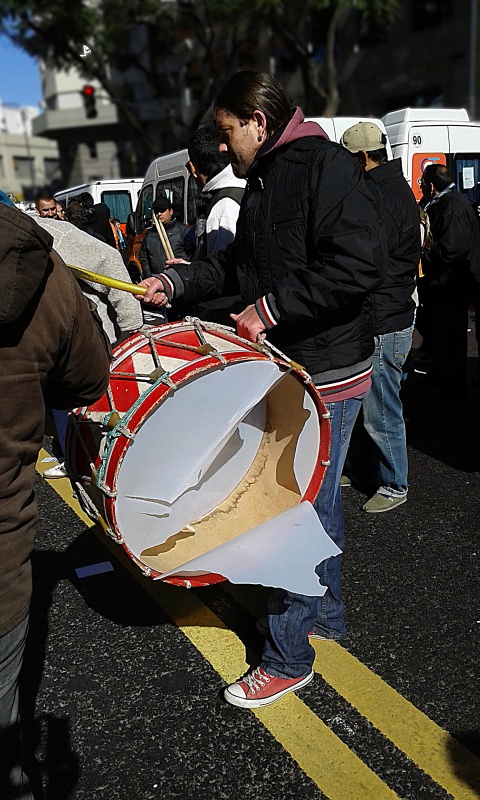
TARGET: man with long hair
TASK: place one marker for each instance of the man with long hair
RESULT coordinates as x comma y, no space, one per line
308,250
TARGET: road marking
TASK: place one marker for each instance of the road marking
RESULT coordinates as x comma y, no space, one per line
320,753
424,742
430,747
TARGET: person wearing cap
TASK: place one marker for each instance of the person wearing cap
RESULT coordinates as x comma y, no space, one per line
152,254
384,459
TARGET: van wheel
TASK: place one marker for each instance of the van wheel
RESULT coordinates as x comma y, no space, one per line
134,272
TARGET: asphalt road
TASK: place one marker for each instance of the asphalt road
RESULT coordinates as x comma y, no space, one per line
123,677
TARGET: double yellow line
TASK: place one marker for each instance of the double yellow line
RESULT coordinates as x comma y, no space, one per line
336,770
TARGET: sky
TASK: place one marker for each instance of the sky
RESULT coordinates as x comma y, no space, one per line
19,76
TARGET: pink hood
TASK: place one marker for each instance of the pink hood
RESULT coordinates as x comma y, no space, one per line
297,128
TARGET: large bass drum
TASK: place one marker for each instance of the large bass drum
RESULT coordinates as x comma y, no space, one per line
200,437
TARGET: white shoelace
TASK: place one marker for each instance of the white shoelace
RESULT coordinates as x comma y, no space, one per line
256,680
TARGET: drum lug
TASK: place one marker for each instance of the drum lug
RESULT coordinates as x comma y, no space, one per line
113,420
160,375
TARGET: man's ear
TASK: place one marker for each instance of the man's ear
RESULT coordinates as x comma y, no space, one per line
362,157
260,121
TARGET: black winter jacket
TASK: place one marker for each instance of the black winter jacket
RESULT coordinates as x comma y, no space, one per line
309,244
391,305
152,255
455,251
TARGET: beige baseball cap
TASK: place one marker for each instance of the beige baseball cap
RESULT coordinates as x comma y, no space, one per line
363,136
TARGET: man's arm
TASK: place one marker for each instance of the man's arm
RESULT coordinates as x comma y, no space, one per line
200,280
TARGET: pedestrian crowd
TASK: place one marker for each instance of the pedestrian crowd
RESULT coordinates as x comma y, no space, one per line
319,246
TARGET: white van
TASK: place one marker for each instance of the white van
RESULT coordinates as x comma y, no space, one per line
335,127
421,136
119,194
167,176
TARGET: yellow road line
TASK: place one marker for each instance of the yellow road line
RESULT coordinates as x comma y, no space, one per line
431,748
320,753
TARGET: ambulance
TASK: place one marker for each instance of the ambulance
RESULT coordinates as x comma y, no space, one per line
421,136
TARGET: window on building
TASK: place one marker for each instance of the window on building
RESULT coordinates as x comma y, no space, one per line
92,149
2,172
428,13
22,166
52,168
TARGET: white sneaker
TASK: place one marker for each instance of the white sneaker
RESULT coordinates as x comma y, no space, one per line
58,471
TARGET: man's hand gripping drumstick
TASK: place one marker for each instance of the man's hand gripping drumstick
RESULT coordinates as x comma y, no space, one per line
155,293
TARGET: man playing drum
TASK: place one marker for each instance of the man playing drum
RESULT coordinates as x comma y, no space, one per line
309,249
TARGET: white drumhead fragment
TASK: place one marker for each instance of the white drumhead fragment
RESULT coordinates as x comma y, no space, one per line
282,552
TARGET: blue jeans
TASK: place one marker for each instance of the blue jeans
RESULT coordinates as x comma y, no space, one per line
13,781
60,419
287,652
383,413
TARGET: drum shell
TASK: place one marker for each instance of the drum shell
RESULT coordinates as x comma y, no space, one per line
96,454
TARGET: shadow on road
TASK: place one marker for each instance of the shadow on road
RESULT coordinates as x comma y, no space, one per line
54,775
465,765
443,425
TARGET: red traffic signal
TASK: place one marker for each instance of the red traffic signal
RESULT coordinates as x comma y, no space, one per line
89,101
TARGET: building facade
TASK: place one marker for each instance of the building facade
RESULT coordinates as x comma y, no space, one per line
27,162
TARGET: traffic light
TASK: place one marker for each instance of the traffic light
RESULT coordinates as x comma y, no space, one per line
89,101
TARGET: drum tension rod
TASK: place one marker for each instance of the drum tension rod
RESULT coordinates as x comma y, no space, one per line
159,373
205,348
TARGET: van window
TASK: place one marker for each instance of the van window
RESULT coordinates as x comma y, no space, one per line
119,203
173,190
465,169
145,203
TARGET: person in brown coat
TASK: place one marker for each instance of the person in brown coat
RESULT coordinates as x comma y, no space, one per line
51,352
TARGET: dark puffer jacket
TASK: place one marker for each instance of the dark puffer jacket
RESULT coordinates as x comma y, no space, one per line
455,251
152,255
392,306
309,248
51,351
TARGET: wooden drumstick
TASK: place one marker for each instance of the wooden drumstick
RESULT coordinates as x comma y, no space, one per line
163,237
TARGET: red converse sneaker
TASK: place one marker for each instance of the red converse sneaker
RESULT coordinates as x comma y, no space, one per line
258,688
